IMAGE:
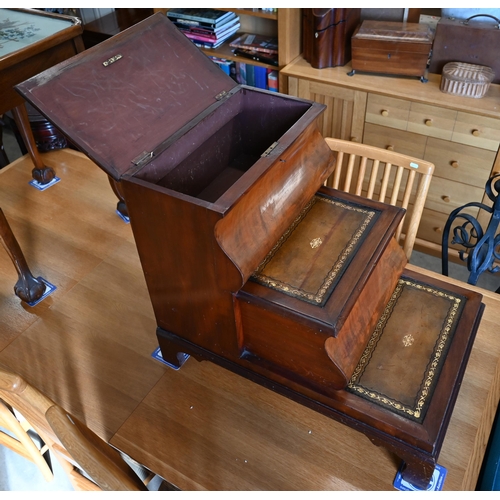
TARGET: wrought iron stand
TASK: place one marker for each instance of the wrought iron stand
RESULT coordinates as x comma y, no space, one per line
481,247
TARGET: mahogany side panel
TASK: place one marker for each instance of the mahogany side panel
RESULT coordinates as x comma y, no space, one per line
174,240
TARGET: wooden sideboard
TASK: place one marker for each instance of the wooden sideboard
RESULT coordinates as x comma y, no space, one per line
459,135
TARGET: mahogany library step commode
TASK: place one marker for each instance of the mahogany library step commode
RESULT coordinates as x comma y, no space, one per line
250,261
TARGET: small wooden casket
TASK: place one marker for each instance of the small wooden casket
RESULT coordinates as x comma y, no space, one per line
390,47
249,260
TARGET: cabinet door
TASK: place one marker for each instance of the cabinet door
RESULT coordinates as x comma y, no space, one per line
345,108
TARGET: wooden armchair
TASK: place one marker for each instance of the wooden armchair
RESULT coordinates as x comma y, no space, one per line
386,176
75,446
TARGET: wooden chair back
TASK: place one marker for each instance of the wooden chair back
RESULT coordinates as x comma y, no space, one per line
386,176
72,442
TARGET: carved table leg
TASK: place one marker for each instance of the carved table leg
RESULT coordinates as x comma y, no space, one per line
121,206
27,288
417,468
40,173
418,473
4,161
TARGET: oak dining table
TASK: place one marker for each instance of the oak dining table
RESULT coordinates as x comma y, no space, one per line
89,347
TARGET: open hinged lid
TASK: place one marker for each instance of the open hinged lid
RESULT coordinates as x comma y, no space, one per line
122,99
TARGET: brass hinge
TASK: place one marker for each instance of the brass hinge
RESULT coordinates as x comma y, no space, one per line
267,152
221,96
111,60
143,158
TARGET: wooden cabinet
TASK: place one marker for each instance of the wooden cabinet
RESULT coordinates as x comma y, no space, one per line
285,24
344,116
460,135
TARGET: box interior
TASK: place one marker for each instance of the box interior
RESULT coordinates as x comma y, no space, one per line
208,159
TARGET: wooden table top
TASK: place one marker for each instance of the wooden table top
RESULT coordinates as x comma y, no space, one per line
88,346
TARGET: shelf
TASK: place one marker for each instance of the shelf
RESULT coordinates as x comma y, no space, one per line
225,52
253,12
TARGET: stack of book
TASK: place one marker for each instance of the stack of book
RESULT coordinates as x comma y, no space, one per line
256,47
207,28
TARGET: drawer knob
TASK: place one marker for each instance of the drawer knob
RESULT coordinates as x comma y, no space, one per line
438,229
428,122
475,132
454,164
445,199
390,148
384,112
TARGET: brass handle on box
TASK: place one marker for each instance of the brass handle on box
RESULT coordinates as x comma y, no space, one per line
390,148
384,112
454,164
445,199
475,132
428,122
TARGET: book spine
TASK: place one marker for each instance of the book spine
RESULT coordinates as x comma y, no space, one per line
250,75
181,17
242,73
260,77
272,81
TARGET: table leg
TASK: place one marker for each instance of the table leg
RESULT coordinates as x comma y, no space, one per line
41,173
417,469
27,288
4,161
121,206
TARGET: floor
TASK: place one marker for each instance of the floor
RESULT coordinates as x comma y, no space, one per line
17,474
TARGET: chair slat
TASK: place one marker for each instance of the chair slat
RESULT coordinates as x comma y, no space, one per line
361,175
385,182
373,179
349,172
338,170
396,185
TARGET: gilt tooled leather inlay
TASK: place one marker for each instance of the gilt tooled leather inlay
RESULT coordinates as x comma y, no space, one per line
400,365
310,257
316,242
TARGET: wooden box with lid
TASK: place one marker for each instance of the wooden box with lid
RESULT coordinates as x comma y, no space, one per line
392,48
249,260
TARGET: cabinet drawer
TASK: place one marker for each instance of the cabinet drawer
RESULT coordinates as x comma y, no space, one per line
458,162
431,120
476,130
445,195
432,226
387,111
397,140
